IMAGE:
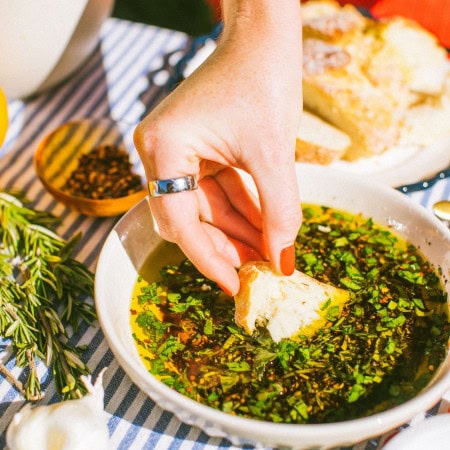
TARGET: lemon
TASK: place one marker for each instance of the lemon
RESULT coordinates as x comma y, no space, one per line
3,116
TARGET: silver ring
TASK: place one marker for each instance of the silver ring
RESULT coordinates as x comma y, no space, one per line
157,188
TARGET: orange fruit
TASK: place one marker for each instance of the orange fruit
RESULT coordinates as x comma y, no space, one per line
3,116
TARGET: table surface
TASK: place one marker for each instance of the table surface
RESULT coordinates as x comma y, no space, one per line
126,76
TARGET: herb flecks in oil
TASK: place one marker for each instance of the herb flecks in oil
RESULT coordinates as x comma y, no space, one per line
377,351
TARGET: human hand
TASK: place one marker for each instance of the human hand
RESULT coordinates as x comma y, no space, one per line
240,109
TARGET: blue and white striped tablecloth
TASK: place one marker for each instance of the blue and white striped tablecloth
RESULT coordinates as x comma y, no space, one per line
122,79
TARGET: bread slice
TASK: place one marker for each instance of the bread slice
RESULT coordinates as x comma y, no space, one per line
427,121
327,20
313,9
337,89
319,142
285,305
419,51
376,81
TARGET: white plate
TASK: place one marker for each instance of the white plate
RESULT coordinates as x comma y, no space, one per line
401,165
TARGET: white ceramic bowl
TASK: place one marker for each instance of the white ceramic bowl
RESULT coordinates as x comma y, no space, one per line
134,239
43,41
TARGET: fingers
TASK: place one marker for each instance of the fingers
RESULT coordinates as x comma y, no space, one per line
281,213
233,250
214,253
225,203
232,233
242,199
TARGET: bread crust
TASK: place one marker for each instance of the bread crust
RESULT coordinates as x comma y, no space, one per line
247,276
319,142
327,20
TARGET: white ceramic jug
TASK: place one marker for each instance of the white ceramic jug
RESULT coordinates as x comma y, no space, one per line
43,41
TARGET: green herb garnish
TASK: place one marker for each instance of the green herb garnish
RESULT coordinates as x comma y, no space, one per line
41,295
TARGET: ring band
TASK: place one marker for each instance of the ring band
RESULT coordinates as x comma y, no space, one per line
157,188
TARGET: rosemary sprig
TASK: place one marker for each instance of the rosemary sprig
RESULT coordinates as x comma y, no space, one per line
42,293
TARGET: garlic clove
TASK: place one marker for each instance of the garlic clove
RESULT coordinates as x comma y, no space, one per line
71,425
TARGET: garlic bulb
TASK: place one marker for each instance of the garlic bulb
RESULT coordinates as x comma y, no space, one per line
71,425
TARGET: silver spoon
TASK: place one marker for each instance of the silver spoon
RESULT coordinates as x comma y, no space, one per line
442,210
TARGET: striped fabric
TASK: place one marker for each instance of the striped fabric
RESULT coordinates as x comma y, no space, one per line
124,78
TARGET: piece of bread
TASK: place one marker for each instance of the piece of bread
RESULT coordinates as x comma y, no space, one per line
420,53
373,80
336,88
427,121
319,142
284,305
312,9
327,20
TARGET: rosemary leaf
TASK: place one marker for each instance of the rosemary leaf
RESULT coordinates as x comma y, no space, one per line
43,292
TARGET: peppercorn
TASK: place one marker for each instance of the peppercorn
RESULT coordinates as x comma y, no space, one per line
104,173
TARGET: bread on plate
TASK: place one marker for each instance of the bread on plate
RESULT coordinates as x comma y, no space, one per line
370,78
318,141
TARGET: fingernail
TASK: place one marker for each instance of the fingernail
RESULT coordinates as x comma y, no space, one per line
287,260
224,289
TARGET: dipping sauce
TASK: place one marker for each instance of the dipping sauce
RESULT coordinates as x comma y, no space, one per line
376,351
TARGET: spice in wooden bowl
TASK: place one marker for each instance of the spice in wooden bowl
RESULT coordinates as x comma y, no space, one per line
104,172
92,166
